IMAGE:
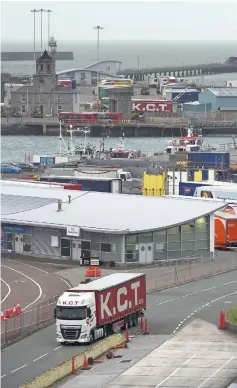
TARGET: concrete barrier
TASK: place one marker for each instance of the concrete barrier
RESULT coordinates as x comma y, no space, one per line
51,376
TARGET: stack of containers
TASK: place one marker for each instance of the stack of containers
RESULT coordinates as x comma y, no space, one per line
218,161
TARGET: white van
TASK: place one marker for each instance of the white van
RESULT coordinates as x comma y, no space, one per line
219,192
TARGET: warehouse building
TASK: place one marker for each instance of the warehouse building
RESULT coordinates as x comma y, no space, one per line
55,223
220,98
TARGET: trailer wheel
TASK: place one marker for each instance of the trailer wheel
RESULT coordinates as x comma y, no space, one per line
105,331
135,320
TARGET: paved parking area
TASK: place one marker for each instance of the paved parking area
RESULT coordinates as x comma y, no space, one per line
199,356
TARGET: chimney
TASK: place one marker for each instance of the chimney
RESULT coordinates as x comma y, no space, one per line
69,199
59,205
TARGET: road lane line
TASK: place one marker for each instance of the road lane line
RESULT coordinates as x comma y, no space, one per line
175,371
218,370
3,376
23,366
203,306
9,290
58,347
38,358
42,270
28,277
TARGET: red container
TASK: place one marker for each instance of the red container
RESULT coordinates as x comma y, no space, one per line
142,106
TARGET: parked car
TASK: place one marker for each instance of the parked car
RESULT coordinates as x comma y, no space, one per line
9,169
24,166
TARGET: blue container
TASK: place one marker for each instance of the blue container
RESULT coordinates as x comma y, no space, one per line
188,188
188,96
205,160
205,175
100,185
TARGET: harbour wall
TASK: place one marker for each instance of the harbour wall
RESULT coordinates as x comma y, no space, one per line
164,127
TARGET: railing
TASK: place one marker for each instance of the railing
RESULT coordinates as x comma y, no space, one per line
26,323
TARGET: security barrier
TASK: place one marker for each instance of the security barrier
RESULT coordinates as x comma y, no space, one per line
50,377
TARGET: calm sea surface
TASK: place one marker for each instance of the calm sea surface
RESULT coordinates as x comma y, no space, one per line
15,148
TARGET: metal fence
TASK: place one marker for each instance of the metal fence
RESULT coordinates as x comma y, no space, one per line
27,322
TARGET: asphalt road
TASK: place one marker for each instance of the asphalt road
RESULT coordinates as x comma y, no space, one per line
167,312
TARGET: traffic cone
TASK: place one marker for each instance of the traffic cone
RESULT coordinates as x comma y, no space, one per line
85,364
222,320
127,335
9,313
18,308
122,346
14,311
73,366
2,316
146,327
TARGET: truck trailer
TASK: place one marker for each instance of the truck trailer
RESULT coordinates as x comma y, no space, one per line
225,230
103,185
94,310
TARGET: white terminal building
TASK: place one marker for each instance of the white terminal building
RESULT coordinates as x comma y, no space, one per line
52,223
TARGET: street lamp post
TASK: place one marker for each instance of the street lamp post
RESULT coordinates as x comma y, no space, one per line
49,11
34,12
98,28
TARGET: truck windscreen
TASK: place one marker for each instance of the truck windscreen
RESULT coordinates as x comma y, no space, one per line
71,313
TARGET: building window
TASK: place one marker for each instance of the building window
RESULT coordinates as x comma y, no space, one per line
7,241
85,249
59,98
60,108
65,247
27,243
41,67
48,67
105,247
131,248
41,98
23,97
23,109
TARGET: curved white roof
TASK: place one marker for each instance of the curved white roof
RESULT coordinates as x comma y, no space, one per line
112,213
88,68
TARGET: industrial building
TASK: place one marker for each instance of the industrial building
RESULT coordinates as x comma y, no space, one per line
223,99
88,76
54,223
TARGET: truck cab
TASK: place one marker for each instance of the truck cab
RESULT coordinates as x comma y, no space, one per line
125,176
75,317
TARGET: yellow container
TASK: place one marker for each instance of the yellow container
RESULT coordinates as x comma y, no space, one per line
153,185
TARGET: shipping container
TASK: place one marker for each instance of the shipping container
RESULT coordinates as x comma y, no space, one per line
103,185
225,230
183,96
93,310
188,188
205,160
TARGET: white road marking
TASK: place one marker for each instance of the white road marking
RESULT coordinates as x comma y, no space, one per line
23,366
3,376
38,358
228,301
28,277
176,370
218,370
9,290
200,308
42,270
58,347
166,301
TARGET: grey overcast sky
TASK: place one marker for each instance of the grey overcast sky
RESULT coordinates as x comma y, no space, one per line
123,20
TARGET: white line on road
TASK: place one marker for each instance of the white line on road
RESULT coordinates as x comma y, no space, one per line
176,370
9,290
3,376
23,366
28,277
58,347
42,270
218,370
38,358
166,301
200,308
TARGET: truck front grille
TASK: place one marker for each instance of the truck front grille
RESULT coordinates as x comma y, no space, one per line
71,333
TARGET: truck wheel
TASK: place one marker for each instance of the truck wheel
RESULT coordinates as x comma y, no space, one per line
135,320
91,338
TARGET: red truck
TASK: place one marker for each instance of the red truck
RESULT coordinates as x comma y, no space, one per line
91,311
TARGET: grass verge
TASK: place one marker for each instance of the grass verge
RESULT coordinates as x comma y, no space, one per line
232,315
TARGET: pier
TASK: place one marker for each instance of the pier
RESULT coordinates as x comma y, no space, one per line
229,66
164,127
29,56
